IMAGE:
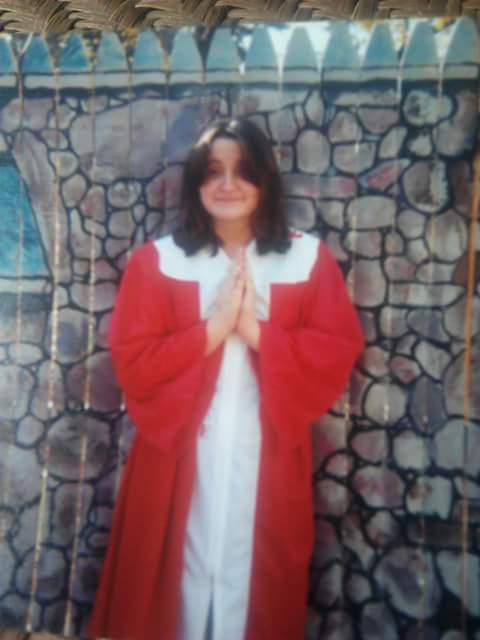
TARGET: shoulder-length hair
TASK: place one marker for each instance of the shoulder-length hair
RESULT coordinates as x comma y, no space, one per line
269,224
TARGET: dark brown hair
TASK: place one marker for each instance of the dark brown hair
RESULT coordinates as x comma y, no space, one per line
269,223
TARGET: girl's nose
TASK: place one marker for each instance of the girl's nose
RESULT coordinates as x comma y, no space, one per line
228,180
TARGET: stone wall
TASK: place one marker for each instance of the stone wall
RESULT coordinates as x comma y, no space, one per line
377,160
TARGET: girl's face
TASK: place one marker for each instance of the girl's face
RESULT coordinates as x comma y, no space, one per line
226,192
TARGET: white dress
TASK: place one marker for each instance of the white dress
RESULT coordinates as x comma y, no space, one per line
219,535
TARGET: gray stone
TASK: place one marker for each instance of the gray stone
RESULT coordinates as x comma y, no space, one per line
454,318
454,386
331,498
81,241
372,445
327,546
371,212
330,586
117,250
20,472
370,97
123,194
93,204
456,446
369,326
428,323
72,335
384,176
101,517
50,388
300,213
410,452
15,390
121,224
392,143
69,498
370,286
344,128
313,152
25,354
454,137
403,573
411,224
152,141
425,185
7,562
374,360
331,212
52,568
339,626
338,187
450,564
315,109
394,244
73,190
359,384
340,465
64,162
417,250
105,293
434,360
55,139
30,113
385,403
29,431
105,394
139,213
283,125
406,344
420,145
427,405
285,157
422,108
354,540
102,332
95,104
436,272
377,622
62,117
383,529
393,321
447,236
430,496
428,295
164,189
88,575
399,269
357,588
379,488
65,438
378,121
354,158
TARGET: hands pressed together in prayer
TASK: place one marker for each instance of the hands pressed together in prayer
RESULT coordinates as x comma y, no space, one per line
235,308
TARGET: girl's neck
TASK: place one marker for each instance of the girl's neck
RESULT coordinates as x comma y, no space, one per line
233,236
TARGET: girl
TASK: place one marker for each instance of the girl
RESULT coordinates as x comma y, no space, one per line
229,338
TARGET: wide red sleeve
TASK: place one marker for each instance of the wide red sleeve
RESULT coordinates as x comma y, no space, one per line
157,366
303,370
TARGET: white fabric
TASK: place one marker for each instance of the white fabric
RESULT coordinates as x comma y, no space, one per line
219,536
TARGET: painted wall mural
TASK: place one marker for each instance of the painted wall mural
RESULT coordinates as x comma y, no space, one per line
377,158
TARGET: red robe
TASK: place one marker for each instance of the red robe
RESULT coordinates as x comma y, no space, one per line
307,348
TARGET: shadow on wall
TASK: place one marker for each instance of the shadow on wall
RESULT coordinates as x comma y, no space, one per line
377,160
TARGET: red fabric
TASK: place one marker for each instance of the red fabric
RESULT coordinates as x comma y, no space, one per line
307,349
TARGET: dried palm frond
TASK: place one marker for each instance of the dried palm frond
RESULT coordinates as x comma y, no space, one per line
34,15
175,12
64,15
104,14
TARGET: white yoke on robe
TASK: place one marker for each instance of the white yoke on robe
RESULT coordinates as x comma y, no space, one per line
220,527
